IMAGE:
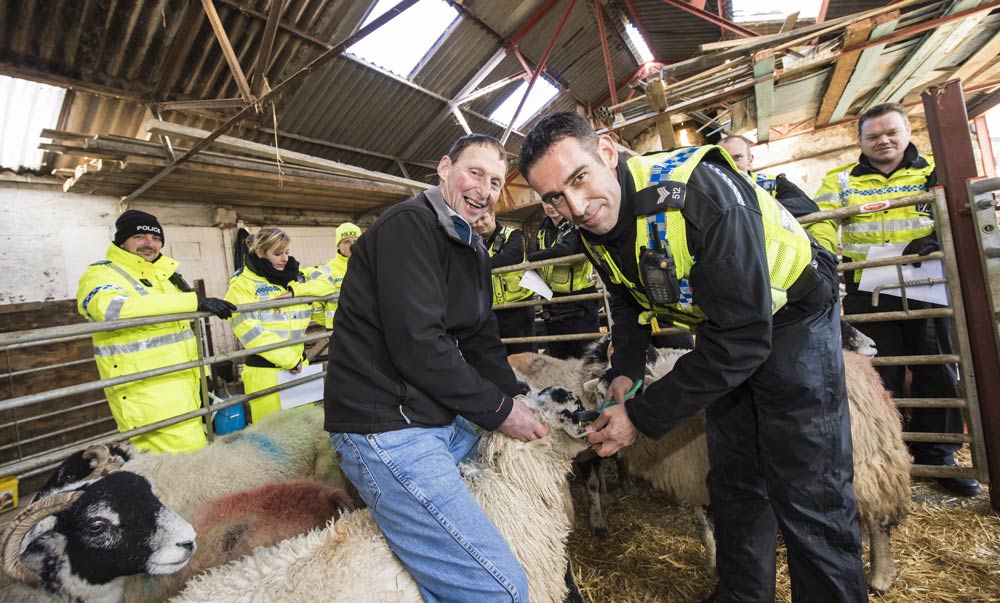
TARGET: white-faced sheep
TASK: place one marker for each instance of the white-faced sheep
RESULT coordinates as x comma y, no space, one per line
522,487
81,542
287,445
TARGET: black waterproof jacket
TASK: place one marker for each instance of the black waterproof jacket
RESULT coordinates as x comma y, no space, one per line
731,285
417,342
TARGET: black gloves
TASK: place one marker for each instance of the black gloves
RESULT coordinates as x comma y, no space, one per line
922,246
219,307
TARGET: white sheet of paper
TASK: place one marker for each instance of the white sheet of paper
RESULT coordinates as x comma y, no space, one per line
535,283
301,394
886,275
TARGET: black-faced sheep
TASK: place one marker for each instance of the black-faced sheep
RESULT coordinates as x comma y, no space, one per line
522,486
80,542
227,528
232,526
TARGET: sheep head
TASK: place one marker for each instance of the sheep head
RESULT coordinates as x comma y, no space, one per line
92,532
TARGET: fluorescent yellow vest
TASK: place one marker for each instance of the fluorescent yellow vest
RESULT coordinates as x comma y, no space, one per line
127,286
766,181
897,225
332,271
265,327
507,286
788,247
565,278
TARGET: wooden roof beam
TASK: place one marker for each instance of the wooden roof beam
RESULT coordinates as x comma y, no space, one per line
266,45
180,47
856,33
243,113
929,52
763,73
227,50
257,149
986,55
883,25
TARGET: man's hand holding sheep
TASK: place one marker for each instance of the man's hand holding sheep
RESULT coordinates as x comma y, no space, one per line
613,430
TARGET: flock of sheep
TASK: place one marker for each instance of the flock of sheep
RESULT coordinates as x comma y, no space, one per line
264,514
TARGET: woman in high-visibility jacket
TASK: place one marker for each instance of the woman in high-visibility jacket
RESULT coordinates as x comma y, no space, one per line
271,273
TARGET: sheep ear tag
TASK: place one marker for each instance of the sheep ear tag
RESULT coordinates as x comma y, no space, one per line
659,198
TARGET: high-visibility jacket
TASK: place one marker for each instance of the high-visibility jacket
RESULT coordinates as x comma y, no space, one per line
789,251
127,286
857,184
564,278
507,285
259,328
766,181
333,271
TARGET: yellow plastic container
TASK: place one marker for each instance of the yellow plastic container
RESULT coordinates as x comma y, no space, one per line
8,493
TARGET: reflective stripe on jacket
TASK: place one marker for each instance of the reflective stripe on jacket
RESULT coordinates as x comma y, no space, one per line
265,327
332,271
564,278
766,181
845,186
788,247
507,285
127,286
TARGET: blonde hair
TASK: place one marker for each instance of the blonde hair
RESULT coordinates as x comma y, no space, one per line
266,239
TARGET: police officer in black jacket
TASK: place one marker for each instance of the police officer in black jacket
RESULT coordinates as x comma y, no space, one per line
558,237
680,237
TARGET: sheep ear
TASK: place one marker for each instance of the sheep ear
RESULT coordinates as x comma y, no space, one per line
10,553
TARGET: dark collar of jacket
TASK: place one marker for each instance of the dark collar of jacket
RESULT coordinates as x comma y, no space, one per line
451,223
911,159
490,240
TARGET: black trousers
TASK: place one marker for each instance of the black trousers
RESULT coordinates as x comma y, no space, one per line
569,319
781,458
517,322
908,338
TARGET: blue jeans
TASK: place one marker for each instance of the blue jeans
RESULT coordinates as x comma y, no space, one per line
410,481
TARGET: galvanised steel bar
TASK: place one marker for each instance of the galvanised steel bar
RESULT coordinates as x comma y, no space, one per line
33,464
948,124
64,333
929,402
173,368
554,300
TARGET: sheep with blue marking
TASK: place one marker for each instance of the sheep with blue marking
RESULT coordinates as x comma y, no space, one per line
522,485
287,445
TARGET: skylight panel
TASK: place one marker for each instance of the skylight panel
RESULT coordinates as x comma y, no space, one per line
401,43
747,11
25,109
541,93
639,43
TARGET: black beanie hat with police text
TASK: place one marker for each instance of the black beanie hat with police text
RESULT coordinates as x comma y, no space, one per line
135,222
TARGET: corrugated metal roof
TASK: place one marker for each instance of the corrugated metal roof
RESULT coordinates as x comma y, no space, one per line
146,51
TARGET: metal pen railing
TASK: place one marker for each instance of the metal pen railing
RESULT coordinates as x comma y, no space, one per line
969,402
33,465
